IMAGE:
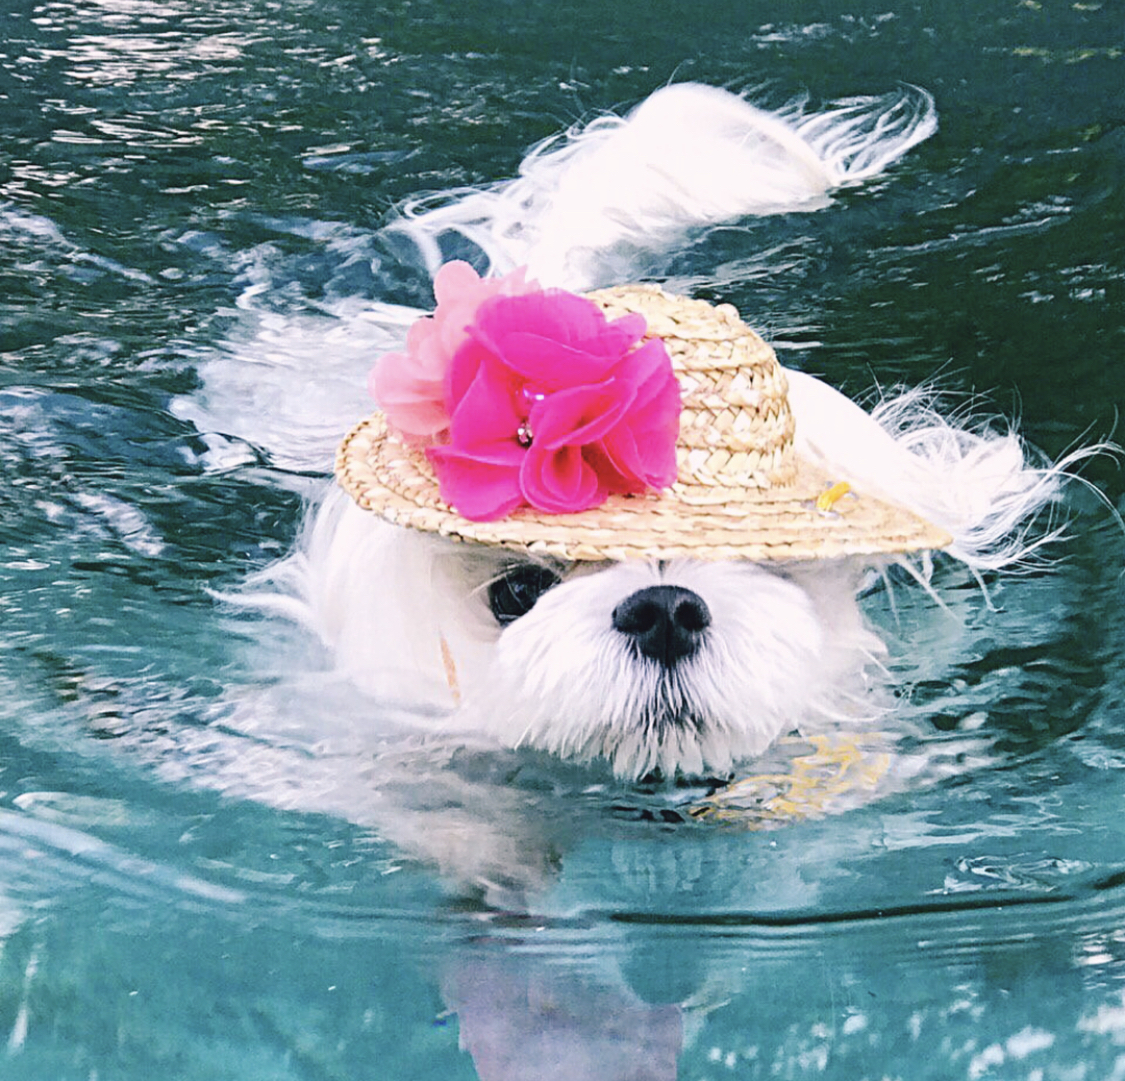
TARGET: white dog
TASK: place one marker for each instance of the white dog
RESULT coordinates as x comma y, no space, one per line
676,656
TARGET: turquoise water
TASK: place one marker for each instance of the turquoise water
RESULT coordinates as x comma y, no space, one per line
205,872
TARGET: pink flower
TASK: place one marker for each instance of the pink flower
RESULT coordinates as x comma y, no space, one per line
552,405
410,387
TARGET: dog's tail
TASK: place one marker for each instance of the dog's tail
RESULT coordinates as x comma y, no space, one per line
586,207
588,201
973,477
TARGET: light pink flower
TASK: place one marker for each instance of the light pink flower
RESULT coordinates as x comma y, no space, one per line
410,387
554,406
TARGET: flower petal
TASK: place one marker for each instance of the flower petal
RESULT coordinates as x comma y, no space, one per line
486,411
555,339
618,453
611,477
464,367
649,364
416,404
480,491
411,386
549,364
560,482
644,444
454,281
579,415
643,447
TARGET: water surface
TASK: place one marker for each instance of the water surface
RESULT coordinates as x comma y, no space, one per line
197,879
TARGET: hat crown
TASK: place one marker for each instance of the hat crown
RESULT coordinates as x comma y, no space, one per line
736,428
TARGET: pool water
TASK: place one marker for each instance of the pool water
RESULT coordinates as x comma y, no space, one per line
210,868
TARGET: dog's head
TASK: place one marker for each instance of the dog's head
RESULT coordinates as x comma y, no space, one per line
669,666
553,413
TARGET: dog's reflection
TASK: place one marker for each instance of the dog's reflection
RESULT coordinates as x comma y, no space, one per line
524,1019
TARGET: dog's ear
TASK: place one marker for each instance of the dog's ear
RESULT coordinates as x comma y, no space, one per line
978,482
391,603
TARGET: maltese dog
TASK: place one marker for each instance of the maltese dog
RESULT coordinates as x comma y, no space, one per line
605,523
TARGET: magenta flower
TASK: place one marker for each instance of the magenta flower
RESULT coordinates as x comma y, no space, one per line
553,406
410,387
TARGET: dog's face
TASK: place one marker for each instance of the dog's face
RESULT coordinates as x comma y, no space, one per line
676,666
671,666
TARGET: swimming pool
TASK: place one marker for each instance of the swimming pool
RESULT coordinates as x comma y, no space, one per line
197,877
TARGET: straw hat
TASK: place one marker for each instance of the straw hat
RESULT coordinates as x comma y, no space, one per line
742,492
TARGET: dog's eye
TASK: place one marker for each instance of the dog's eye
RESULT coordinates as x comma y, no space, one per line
515,593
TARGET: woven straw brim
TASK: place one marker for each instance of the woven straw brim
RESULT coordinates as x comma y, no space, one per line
384,475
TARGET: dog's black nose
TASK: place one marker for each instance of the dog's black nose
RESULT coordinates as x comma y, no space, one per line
665,622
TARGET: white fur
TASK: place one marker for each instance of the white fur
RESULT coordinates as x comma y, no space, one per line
586,203
562,679
407,615
979,482
786,647
583,212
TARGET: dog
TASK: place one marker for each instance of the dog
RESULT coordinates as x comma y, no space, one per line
666,665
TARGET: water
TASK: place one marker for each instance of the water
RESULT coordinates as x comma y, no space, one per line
199,876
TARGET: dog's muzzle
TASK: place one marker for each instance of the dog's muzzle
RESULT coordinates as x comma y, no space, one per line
663,623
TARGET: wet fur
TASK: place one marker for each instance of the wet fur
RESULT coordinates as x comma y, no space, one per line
406,614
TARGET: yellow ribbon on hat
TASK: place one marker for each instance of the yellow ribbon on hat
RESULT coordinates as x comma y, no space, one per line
831,496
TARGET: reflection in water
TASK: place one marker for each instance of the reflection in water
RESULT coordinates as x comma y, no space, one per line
137,41
305,976
523,1020
122,59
